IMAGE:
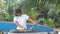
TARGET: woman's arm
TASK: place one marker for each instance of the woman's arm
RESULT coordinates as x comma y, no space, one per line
19,25
32,21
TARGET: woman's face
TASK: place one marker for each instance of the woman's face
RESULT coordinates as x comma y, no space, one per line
19,14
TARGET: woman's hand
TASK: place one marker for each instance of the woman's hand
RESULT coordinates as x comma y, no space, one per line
23,27
32,21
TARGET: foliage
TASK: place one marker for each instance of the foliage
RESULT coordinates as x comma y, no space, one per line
34,8
50,23
1,16
57,18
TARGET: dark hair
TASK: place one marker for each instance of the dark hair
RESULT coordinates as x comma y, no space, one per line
17,11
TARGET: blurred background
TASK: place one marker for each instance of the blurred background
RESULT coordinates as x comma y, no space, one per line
45,12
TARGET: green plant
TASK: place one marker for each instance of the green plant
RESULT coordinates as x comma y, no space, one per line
50,23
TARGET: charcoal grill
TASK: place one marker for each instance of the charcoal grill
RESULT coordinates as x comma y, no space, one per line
26,32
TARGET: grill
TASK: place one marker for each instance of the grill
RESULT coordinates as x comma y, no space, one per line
26,32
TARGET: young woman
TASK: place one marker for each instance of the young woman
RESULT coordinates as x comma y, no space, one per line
20,19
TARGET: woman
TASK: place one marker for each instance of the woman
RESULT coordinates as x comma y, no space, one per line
20,19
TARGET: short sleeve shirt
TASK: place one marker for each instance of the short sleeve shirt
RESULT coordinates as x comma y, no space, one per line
21,19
